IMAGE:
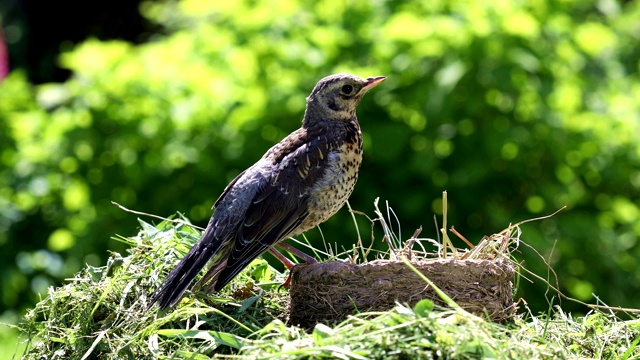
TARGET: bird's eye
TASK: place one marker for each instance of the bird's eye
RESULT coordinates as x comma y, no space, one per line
347,89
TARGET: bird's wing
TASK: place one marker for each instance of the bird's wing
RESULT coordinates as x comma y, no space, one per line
228,188
279,206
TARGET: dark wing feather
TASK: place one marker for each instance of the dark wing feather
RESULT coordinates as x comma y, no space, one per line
183,274
212,244
278,208
226,189
234,238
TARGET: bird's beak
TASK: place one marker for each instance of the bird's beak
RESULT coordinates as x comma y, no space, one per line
373,82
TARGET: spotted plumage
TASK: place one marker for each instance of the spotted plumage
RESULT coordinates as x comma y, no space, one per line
299,183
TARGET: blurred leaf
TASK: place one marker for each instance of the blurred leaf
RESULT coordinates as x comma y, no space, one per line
423,307
60,240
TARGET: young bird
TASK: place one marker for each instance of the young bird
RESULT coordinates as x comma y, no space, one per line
298,184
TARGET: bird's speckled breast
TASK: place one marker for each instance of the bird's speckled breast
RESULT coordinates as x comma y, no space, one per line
332,191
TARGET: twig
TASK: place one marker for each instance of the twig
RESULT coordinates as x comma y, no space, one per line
409,243
177,221
538,218
453,230
549,268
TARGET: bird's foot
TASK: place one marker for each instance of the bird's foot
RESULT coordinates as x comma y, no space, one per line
286,284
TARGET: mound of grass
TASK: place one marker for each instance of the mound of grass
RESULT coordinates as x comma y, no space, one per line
102,314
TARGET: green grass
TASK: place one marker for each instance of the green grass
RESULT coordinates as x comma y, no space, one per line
101,313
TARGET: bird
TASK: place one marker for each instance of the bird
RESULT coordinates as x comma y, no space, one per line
297,184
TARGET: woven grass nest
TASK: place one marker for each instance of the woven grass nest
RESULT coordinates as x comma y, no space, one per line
329,292
479,279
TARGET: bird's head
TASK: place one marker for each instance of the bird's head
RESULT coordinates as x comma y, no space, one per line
337,96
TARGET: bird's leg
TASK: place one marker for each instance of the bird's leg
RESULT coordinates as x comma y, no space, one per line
283,259
297,253
288,263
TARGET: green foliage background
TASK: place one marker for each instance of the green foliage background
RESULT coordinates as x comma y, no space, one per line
515,108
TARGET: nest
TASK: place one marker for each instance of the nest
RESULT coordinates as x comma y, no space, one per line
329,292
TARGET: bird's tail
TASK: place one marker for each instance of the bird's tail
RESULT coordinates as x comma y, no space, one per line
183,274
